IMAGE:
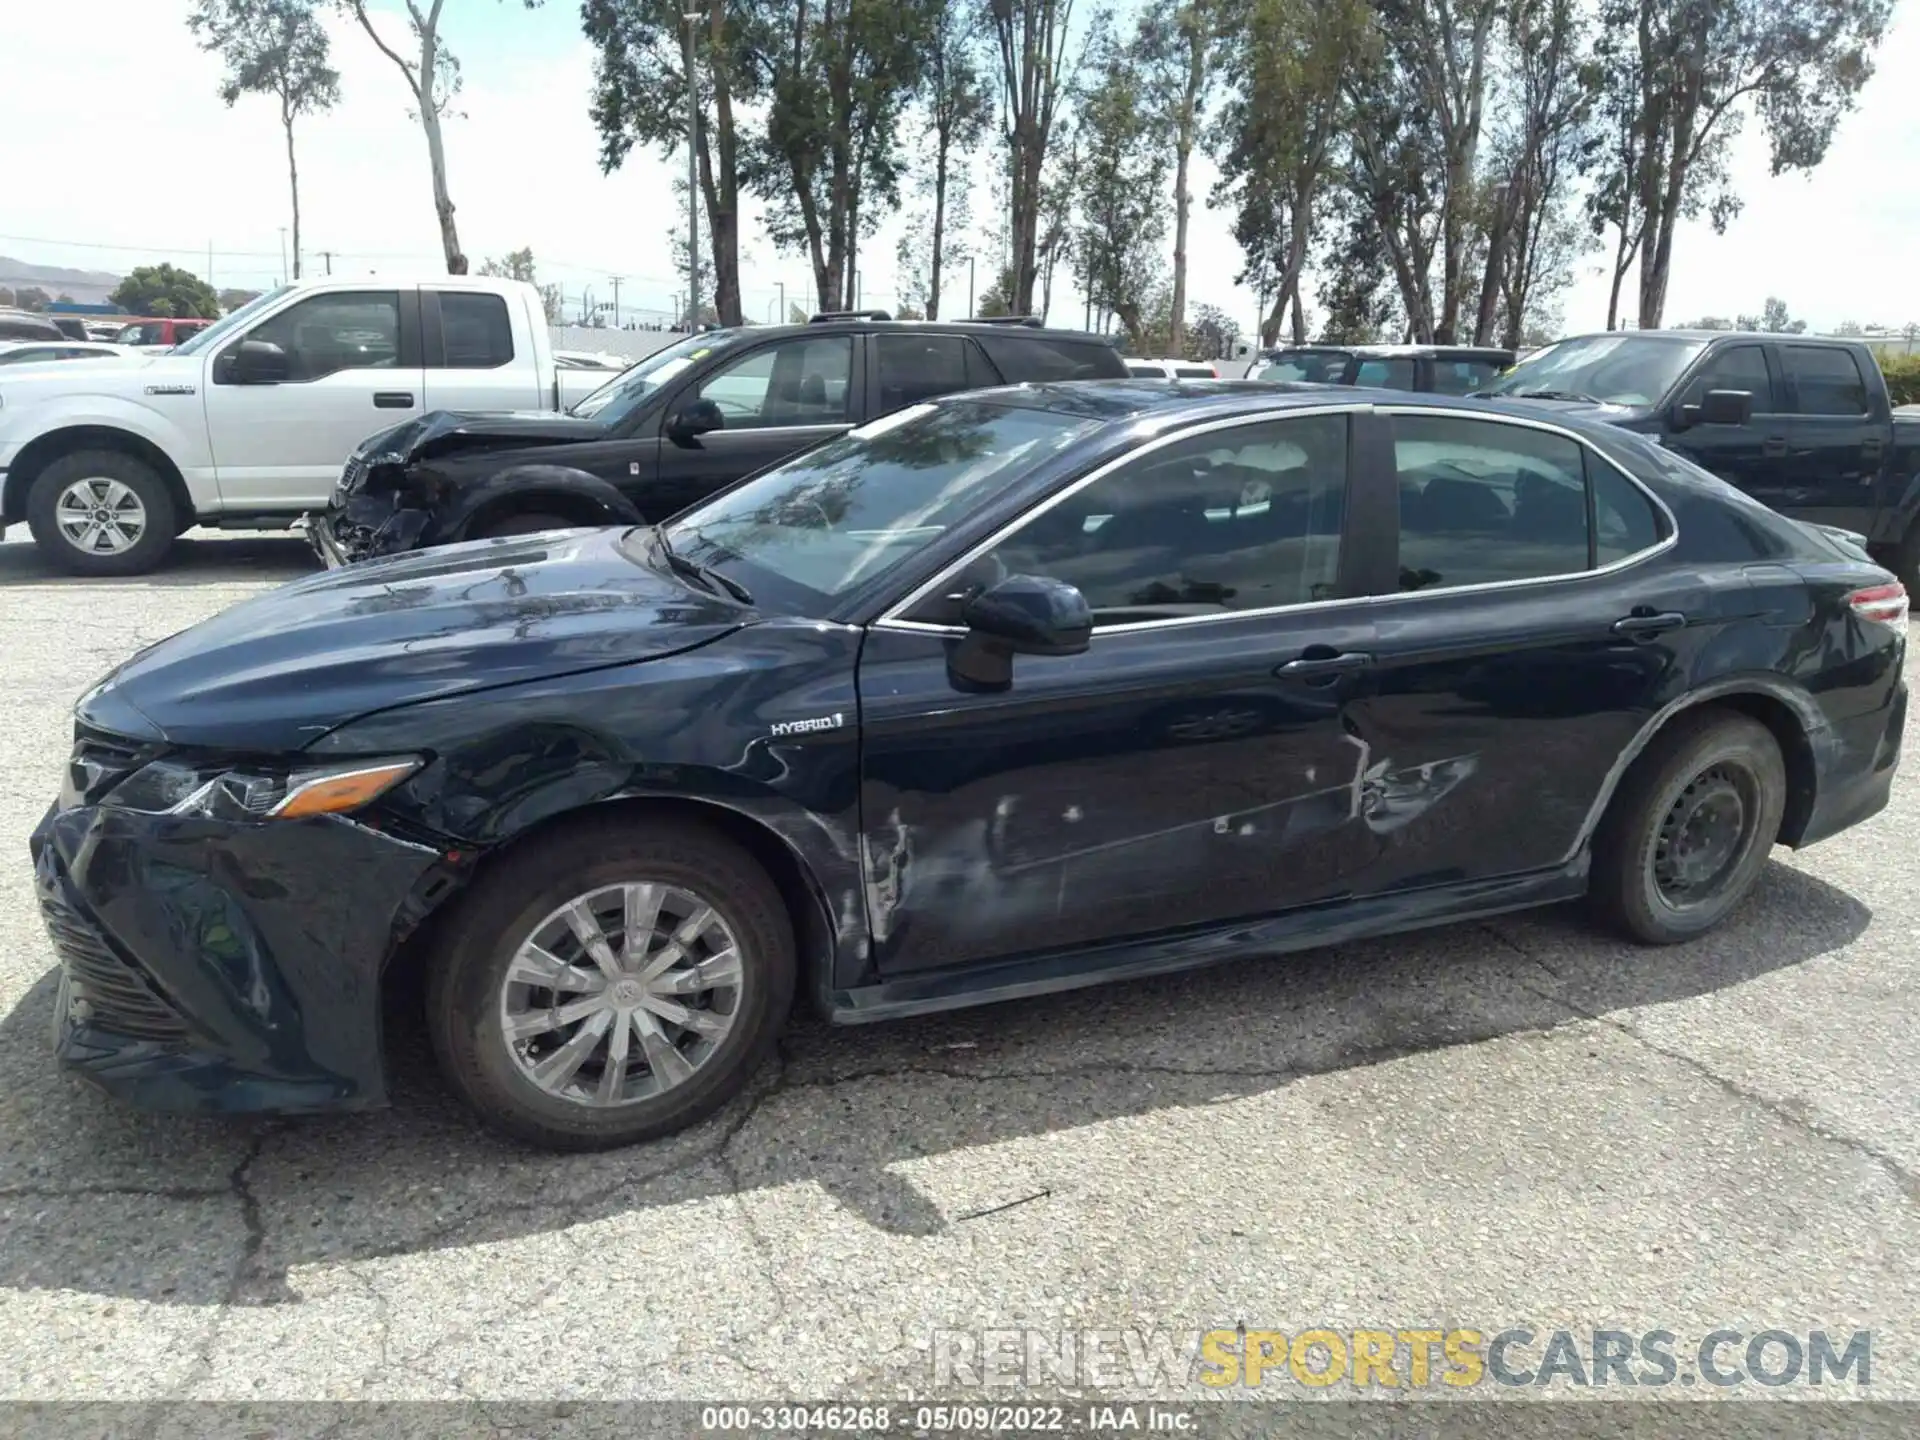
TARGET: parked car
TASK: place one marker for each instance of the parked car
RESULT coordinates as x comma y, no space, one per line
687,420
26,325
1435,369
1803,425
245,424
1005,693
34,352
160,334
1172,369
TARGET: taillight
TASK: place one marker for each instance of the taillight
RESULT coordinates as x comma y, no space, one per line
1885,603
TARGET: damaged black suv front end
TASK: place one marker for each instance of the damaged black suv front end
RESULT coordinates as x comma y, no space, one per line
376,507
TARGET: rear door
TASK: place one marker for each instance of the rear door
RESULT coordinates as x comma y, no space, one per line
1751,457
775,400
908,366
1525,649
477,354
354,367
1835,439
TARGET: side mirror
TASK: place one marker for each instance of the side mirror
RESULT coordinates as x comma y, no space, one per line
1021,615
1718,407
695,419
257,362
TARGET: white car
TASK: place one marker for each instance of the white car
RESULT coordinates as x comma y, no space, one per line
38,352
1172,369
246,425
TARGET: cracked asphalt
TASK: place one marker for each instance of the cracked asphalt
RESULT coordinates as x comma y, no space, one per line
1517,1123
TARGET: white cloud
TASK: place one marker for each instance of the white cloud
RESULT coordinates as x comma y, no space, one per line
116,147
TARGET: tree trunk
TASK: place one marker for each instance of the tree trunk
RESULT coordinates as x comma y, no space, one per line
293,181
437,162
723,195
1182,200
1299,317
939,226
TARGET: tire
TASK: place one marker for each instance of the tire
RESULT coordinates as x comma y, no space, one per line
531,523
123,487
1690,769
469,995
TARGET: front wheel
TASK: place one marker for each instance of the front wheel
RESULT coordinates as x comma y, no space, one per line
612,983
1691,828
102,512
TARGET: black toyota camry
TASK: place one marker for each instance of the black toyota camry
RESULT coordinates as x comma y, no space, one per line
1017,691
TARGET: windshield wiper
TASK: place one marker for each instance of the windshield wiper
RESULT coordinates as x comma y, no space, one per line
1576,395
706,576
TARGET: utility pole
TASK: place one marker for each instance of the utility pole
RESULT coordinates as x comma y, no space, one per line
616,298
209,264
327,255
693,180
970,310
783,300
283,254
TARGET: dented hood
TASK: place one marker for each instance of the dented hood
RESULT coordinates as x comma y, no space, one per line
276,672
441,432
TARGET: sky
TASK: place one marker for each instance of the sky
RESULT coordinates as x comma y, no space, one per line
118,151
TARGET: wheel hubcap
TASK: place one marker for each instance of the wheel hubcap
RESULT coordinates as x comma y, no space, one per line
100,516
621,994
1703,836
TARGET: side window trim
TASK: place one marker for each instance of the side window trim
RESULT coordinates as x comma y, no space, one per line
894,616
1589,454
692,381
1776,374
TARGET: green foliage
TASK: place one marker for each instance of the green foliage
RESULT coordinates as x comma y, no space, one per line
271,47
165,290
1903,377
1120,175
1773,319
518,265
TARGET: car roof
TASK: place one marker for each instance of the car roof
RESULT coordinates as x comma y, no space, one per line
1389,352
1763,336
838,325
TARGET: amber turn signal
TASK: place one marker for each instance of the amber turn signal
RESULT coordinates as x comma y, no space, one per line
338,791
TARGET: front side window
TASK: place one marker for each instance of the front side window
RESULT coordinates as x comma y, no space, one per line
1482,501
1827,379
616,402
918,367
211,335
1236,520
796,382
1462,377
850,512
476,331
1738,367
351,330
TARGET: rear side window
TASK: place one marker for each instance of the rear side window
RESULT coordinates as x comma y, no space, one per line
478,333
1738,367
1193,372
1624,520
1827,379
919,367
1037,358
1482,502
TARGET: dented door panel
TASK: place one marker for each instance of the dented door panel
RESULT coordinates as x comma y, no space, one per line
1168,777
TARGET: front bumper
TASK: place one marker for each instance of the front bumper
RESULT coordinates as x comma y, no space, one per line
225,968
359,526
324,542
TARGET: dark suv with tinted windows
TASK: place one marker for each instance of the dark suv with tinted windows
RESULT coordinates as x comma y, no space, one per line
1426,369
670,430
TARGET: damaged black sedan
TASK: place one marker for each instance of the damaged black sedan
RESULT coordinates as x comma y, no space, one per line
1012,692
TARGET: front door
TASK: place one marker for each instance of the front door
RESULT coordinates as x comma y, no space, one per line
280,447
1525,650
1193,767
774,401
1836,441
1750,457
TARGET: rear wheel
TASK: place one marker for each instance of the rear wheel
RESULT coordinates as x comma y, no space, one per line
1690,829
612,983
529,523
102,512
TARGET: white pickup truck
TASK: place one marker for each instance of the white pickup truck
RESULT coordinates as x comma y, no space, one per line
246,425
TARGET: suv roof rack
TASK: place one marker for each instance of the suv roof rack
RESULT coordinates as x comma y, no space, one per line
828,315
1032,321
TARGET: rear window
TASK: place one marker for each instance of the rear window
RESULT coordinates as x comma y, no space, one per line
1036,358
1194,372
1386,374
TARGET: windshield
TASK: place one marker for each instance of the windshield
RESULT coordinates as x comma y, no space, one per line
622,395
1623,369
809,531
1319,367
211,336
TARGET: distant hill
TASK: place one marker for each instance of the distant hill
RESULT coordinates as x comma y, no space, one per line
89,287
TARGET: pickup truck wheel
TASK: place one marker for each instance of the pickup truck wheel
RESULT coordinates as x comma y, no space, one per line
102,512
524,524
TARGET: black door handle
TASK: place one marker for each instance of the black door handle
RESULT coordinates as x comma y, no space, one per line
1774,445
1870,449
393,399
1324,667
1649,624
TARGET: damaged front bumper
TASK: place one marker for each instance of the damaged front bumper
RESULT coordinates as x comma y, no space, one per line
361,526
225,968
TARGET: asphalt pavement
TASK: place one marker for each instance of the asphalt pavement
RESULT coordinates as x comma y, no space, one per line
1485,1127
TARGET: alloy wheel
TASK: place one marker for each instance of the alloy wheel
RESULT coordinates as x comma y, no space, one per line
100,515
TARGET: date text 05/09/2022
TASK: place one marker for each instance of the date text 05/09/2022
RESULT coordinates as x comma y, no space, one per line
961,1419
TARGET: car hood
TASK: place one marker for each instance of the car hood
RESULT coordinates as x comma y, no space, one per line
441,432
1630,417
114,375
275,673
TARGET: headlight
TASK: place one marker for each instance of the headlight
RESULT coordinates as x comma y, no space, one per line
166,787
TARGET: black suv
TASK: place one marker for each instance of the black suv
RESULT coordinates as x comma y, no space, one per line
1426,369
682,423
